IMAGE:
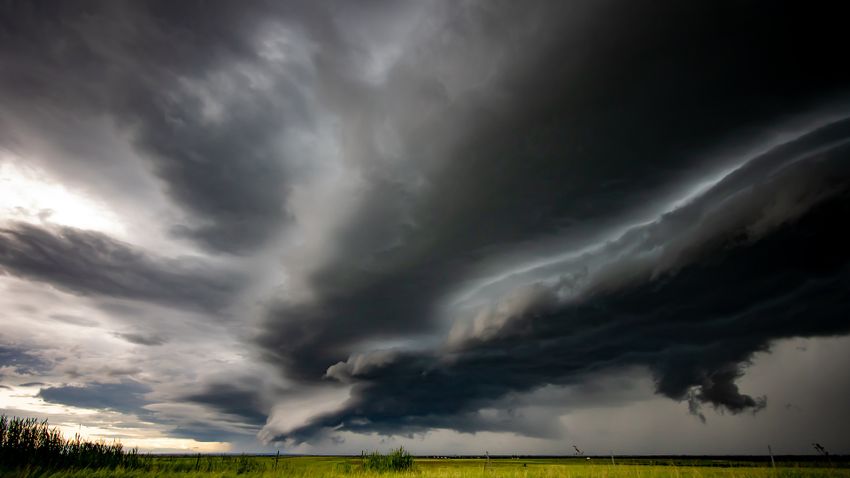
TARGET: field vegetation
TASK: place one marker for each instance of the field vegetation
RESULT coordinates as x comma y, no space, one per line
396,460
29,443
31,449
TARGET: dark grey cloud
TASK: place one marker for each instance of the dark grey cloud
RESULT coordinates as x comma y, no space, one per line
133,398
691,297
126,396
232,400
241,402
91,263
203,105
230,409
141,339
586,110
393,257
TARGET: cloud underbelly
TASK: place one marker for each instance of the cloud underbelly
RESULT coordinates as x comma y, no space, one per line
690,296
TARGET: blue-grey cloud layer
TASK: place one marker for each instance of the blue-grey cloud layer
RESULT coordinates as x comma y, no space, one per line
126,396
92,263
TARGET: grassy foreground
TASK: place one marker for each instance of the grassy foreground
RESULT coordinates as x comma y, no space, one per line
332,467
30,448
27,442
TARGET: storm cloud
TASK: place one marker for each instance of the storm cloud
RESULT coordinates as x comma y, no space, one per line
243,402
204,106
531,160
314,221
731,275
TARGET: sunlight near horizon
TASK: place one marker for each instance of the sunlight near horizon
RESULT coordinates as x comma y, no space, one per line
28,195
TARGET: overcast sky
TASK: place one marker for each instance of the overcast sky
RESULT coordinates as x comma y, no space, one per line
456,226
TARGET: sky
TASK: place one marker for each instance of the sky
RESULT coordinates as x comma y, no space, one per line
456,226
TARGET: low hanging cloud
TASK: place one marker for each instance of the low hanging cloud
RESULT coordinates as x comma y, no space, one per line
246,403
690,296
533,153
127,396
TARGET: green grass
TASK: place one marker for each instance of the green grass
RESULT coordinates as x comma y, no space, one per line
396,460
28,443
352,467
31,449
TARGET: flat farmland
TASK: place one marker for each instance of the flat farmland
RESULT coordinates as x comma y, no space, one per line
341,466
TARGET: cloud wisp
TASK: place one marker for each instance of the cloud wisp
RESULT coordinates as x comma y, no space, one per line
92,263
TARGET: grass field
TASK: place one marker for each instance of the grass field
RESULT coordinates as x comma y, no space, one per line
331,467
30,448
